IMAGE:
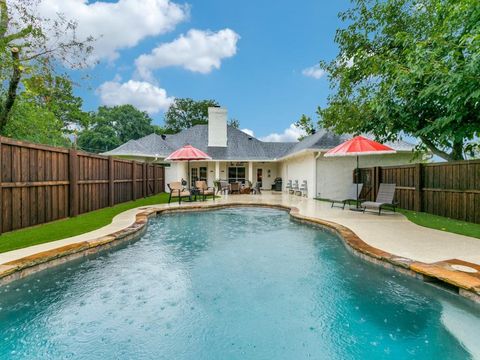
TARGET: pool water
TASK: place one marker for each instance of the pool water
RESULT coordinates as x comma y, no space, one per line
243,283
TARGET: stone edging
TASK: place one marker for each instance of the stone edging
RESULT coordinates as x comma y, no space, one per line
468,286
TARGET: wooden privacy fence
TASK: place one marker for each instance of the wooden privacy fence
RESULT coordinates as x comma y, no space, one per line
447,189
40,183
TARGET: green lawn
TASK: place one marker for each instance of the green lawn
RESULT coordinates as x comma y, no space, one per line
72,226
442,223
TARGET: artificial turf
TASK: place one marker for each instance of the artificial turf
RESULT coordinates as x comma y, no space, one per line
65,228
442,223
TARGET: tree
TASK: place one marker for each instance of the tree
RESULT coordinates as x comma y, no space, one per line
306,124
234,123
185,113
33,47
32,122
110,127
55,93
408,67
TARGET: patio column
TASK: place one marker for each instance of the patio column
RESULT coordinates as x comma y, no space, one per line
250,172
217,170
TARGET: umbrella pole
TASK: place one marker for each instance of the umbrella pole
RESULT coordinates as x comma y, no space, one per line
356,178
189,179
357,175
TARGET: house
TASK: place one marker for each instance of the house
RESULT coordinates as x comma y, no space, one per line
237,156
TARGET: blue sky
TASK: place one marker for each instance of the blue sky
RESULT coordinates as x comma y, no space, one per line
259,72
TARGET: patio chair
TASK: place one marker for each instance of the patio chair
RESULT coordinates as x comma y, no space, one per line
303,190
288,187
351,196
234,188
247,188
178,191
256,189
222,186
386,193
294,188
204,189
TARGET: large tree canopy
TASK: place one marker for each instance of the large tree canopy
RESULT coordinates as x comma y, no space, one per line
185,113
31,50
110,127
408,67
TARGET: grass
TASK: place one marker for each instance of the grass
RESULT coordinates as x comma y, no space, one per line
439,222
442,223
64,228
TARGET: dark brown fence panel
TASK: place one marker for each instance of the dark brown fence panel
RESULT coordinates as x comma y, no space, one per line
138,180
446,189
40,183
123,181
92,182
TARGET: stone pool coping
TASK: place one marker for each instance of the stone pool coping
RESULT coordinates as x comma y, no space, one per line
465,284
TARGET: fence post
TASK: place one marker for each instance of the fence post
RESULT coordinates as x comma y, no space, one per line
145,175
1,191
418,197
154,179
73,182
377,174
134,183
111,181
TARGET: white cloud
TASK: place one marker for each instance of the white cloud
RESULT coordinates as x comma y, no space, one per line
249,132
314,72
198,51
290,134
116,25
143,95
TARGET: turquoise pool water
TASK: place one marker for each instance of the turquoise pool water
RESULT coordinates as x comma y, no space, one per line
232,284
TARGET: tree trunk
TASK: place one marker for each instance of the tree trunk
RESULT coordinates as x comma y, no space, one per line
457,150
456,154
12,90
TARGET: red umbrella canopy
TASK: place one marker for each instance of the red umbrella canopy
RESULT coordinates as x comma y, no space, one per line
360,145
186,153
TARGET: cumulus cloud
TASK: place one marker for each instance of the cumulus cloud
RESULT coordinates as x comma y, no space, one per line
290,134
198,51
143,95
314,72
116,25
249,132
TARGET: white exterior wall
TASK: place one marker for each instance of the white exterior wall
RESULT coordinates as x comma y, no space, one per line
300,168
335,174
175,172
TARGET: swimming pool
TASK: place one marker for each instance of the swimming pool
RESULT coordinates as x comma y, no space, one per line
240,283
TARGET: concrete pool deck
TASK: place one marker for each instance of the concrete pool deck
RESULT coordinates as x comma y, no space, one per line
391,234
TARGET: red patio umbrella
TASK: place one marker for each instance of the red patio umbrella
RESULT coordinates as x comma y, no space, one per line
358,146
187,153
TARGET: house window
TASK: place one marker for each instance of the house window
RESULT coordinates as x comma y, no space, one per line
198,174
236,174
203,173
194,175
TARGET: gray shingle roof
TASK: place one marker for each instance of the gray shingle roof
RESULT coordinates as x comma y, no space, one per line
240,146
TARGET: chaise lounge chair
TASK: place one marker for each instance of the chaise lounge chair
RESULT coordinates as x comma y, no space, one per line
303,191
386,193
178,191
204,190
352,196
294,188
288,187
